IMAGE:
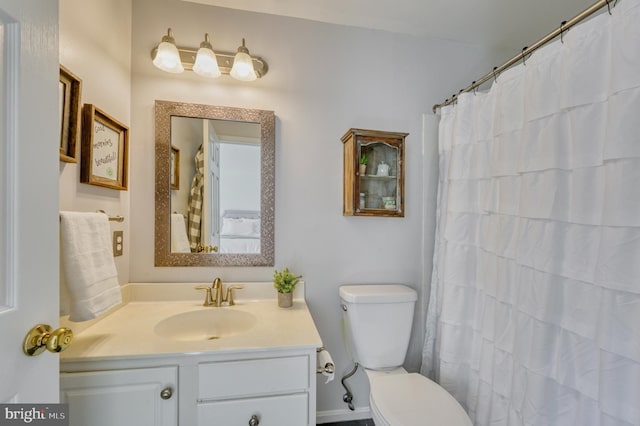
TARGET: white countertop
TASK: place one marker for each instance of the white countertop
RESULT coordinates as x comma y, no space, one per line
128,332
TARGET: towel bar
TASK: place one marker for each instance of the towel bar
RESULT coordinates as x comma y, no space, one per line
113,218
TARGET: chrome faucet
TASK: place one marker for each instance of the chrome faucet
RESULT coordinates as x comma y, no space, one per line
214,294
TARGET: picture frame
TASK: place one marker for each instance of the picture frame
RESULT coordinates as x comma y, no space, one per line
175,168
105,149
69,98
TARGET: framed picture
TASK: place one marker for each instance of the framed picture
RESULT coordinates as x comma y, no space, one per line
105,146
175,168
69,94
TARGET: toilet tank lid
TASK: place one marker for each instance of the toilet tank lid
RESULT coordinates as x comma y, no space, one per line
377,293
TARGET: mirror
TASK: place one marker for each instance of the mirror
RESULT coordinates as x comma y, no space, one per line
216,207
215,184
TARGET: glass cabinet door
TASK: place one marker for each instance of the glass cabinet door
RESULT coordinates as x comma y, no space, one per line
374,175
378,178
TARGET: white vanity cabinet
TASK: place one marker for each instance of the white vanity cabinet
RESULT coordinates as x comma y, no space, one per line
115,372
141,397
262,388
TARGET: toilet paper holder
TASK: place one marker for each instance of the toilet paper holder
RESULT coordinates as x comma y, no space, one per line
327,368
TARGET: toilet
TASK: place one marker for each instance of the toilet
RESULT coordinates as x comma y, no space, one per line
377,320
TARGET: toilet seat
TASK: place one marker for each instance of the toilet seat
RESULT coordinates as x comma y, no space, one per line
412,399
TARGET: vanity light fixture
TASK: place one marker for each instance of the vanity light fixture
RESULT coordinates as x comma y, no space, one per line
205,62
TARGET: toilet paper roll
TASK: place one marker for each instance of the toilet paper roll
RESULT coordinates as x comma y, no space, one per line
326,367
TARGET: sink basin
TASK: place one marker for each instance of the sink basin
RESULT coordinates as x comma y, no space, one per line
206,324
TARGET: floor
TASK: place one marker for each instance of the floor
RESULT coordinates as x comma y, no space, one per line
365,422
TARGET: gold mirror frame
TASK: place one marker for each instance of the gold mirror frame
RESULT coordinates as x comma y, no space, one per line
164,110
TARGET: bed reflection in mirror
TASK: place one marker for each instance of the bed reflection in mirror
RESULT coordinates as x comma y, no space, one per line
216,208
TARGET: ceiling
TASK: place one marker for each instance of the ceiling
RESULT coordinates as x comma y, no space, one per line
508,24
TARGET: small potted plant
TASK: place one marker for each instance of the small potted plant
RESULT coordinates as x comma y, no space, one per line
285,282
364,160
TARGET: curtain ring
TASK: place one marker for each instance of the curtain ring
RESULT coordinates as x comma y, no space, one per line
524,57
495,77
562,24
608,7
475,88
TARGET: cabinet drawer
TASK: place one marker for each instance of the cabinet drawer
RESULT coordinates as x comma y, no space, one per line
252,377
284,410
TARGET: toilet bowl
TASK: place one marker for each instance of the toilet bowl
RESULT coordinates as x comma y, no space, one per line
410,399
378,321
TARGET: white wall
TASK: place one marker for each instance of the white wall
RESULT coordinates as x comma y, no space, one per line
95,44
323,79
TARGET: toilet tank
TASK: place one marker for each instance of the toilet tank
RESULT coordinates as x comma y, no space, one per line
377,322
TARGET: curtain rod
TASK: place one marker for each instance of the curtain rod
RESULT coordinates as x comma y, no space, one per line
564,27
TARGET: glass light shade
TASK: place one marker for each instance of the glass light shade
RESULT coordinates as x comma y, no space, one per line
167,58
206,63
243,65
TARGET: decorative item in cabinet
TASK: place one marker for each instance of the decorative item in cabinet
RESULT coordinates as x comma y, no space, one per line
373,173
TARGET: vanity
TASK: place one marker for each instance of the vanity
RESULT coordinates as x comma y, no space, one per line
168,360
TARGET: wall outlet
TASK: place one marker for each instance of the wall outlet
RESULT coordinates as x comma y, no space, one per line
118,243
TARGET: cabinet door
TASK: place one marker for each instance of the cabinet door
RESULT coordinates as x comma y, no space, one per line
121,397
285,410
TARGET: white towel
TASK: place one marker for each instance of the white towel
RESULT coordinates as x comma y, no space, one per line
179,240
89,271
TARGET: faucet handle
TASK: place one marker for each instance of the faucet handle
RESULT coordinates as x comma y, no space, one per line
229,298
208,298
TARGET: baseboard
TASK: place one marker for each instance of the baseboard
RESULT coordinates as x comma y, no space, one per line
345,415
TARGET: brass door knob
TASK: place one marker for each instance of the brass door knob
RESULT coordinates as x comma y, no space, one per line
42,337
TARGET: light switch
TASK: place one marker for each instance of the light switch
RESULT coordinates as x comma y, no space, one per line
118,243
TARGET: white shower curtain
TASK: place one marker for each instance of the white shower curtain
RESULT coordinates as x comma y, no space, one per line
534,313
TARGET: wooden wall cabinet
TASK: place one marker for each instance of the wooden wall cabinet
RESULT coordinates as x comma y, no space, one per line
376,189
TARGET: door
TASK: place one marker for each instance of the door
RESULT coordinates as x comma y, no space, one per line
29,219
